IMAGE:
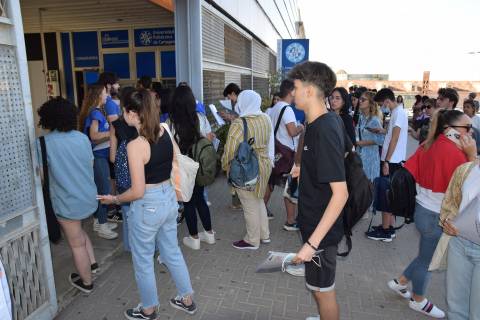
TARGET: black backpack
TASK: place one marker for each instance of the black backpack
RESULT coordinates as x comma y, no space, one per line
360,192
401,195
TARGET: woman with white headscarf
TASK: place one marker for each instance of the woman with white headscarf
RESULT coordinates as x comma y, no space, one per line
259,128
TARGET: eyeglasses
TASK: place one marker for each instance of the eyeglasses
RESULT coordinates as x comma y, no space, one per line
468,127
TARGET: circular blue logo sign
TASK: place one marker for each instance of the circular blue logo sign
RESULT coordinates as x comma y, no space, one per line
295,52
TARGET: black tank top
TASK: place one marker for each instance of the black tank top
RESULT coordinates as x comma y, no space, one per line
159,167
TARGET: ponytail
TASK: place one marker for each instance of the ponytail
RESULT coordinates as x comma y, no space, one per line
440,121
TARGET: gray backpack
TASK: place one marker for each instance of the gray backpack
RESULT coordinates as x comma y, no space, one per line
244,168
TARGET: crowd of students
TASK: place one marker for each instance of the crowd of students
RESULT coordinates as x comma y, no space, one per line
124,144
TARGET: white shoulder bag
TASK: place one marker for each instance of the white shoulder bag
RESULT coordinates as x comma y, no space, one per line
184,171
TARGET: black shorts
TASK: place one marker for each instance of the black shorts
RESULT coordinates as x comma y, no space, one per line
276,181
320,272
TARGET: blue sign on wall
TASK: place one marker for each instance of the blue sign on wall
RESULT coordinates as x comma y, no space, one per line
291,52
114,39
154,37
117,63
85,49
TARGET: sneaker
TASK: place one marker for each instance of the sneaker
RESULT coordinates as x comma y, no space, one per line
400,289
191,242
178,303
380,235
427,308
94,268
207,237
106,233
242,245
391,230
291,226
137,313
76,282
110,225
313,318
236,207
266,241
270,215
209,203
117,217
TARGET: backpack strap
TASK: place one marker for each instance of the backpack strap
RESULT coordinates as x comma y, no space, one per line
43,147
245,129
280,116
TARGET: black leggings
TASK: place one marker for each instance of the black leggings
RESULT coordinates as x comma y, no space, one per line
197,203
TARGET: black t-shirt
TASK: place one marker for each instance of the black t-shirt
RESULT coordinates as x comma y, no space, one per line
123,131
322,163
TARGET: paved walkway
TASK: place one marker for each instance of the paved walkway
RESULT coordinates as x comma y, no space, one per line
228,288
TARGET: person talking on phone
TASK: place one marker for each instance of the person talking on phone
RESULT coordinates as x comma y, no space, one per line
449,144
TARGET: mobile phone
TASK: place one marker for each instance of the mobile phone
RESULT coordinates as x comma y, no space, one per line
453,135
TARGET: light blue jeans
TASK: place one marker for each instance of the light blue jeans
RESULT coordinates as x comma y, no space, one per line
426,222
125,210
152,224
463,280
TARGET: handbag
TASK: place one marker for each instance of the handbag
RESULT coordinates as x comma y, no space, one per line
184,171
54,233
284,156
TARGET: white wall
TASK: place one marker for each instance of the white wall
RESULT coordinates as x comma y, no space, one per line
269,28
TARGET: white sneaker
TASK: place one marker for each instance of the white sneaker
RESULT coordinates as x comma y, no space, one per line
313,318
110,225
207,237
399,289
106,233
192,243
427,308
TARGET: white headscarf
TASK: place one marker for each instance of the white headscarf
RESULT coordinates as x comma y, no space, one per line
248,104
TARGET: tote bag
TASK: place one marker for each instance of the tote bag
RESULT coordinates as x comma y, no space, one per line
184,171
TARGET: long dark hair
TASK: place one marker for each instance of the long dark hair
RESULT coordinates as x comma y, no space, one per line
347,103
184,117
440,121
142,103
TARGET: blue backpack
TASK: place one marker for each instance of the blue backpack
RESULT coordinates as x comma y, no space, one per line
122,174
244,168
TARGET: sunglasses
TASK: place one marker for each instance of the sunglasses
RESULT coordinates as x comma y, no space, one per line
429,107
468,127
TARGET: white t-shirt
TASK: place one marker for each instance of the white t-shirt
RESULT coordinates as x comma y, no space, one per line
470,187
476,122
205,127
288,117
399,118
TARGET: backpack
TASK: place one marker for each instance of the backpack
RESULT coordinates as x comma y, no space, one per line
122,173
204,153
244,168
360,196
401,195
284,156
360,191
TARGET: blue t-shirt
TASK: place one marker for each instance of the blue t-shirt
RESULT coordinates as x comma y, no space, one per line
70,171
111,107
299,114
101,150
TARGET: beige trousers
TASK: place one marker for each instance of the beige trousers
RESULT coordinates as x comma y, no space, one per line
256,218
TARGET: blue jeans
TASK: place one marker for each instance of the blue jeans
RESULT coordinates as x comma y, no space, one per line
426,222
463,280
101,175
125,210
152,222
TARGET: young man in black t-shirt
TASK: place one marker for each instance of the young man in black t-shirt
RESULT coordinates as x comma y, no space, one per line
322,186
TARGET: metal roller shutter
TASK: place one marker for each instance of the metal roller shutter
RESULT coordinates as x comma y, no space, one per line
212,37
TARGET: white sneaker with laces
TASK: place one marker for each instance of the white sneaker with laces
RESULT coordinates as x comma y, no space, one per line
106,233
313,318
110,225
207,237
399,289
427,308
192,243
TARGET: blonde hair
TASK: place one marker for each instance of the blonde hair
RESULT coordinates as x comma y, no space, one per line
373,108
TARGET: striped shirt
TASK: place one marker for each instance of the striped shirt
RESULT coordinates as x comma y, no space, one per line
259,127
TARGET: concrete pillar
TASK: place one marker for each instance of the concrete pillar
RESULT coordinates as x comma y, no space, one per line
188,44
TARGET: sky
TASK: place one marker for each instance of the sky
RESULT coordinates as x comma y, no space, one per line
401,38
